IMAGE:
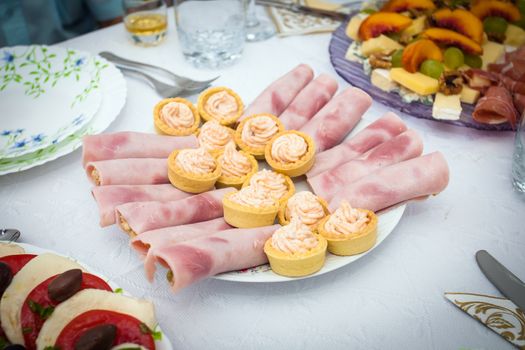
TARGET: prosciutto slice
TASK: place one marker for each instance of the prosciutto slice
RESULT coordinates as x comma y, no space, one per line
129,171
519,103
223,251
401,182
137,217
335,120
480,80
109,197
132,145
495,107
374,134
278,95
513,85
404,146
309,101
514,69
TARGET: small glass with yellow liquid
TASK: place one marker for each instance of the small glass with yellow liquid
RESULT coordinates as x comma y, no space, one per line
146,21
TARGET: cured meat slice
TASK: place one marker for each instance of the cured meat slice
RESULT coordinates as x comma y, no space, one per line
401,182
109,197
130,144
480,80
337,118
514,69
374,134
513,85
223,251
495,107
279,94
129,171
404,146
309,101
519,103
138,217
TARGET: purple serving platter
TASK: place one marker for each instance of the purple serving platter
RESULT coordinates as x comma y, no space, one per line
353,73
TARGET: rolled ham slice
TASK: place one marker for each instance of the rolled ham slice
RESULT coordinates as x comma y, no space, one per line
129,171
404,146
513,85
514,69
309,101
374,134
137,217
337,118
223,251
109,197
519,103
279,94
495,107
398,183
479,79
132,145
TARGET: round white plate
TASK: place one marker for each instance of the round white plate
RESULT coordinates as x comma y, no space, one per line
163,344
113,91
46,94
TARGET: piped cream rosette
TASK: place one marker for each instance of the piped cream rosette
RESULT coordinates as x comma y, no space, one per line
249,207
348,230
306,207
236,166
193,170
214,137
221,104
254,132
277,186
294,250
290,152
176,117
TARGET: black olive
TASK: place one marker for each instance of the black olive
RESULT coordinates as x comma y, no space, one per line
6,275
97,338
15,347
65,285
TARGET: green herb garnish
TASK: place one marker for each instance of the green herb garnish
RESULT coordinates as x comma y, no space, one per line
144,329
118,291
43,312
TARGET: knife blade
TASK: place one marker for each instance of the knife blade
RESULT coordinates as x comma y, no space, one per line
294,7
506,282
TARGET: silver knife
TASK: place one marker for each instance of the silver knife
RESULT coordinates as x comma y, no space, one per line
506,282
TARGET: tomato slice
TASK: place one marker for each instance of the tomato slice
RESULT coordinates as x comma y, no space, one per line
32,322
129,329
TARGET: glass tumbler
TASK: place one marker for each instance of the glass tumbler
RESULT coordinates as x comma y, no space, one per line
145,21
211,32
518,161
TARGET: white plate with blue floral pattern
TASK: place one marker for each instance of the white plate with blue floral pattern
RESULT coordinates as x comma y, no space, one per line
46,94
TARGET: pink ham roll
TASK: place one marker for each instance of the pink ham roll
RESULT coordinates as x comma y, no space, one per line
279,94
109,197
137,217
381,130
398,183
309,101
335,120
404,146
223,251
132,145
129,171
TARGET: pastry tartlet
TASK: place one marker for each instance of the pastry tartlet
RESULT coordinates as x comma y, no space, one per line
290,152
254,132
214,137
176,117
236,167
193,170
306,207
220,104
294,250
249,207
278,186
348,230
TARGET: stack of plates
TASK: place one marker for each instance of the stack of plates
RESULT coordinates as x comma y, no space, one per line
50,98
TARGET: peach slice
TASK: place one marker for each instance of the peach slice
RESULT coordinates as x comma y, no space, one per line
449,37
461,21
417,52
404,5
382,23
506,10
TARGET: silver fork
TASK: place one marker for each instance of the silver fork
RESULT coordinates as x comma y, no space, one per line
184,82
163,89
9,234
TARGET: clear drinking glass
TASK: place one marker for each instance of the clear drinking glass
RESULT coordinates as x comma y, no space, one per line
211,32
145,21
518,161
257,29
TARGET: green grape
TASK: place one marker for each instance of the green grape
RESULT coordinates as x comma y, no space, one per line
473,61
495,25
432,68
368,11
521,22
454,57
394,36
521,6
397,58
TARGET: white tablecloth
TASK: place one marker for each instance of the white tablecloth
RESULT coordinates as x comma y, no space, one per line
391,299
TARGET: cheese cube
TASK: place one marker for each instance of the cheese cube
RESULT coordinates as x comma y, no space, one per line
354,52
446,107
352,28
381,78
417,26
380,44
417,82
491,53
514,36
469,95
